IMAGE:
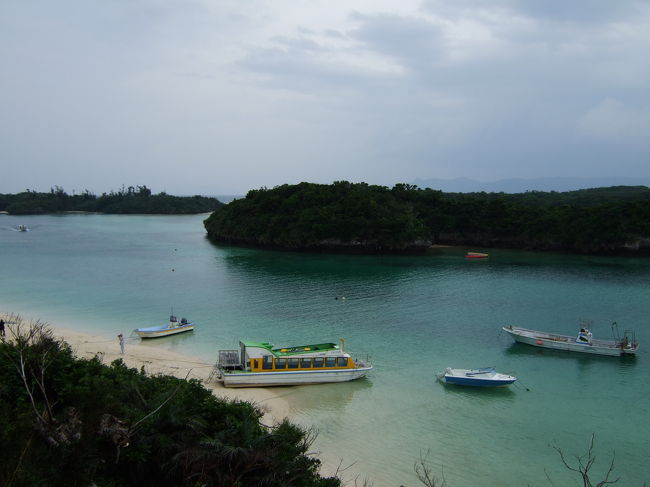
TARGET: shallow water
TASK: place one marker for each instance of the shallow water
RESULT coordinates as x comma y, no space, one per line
412,316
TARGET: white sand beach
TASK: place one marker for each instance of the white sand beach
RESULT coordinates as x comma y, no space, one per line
159,361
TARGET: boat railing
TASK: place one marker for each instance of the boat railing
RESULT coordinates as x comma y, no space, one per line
229,360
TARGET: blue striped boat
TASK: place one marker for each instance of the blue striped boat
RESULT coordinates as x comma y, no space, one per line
483,377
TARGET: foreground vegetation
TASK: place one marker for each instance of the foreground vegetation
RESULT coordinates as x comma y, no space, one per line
371,218
127,200
75,422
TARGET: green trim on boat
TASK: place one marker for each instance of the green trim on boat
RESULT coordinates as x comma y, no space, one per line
286,351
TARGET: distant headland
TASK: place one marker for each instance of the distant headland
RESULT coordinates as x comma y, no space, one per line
131,200
363,218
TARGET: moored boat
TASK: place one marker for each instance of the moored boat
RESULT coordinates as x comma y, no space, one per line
258,364
583,342
476,255
483,377
173,327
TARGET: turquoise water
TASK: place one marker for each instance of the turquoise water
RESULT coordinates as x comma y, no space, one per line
412,316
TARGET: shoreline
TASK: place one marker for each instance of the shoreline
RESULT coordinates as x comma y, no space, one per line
157,361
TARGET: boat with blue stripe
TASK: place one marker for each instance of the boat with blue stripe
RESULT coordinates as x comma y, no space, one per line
482,377
259,364
172,328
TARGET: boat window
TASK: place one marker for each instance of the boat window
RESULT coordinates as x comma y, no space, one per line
293,363
318,361
330,362
280,363
267,363
342,361
305,363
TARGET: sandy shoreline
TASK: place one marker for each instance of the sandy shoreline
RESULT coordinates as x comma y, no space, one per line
160,361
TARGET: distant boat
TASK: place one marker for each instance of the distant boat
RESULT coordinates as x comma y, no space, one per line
484,377
22,228
173,327
583,342
258,364
476,255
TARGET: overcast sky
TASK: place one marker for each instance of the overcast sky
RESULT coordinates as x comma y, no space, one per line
219,97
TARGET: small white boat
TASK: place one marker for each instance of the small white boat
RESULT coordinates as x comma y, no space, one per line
21,228
258,364
583,342
483,377
173,327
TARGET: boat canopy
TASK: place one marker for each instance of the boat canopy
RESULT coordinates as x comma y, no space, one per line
283,352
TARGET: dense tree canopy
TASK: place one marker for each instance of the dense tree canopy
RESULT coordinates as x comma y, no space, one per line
128,200
75,422
351,216
312,216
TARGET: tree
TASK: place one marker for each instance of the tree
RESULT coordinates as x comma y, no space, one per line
584,463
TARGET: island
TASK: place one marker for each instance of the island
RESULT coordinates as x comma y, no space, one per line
363,218
131,200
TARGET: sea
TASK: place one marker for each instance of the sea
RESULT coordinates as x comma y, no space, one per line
411,316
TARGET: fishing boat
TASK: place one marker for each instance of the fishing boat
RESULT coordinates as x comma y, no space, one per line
173,327
483,377
582,342
476,255
259,364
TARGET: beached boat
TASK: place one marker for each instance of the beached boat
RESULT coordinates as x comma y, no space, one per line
174,326
583,342
258,364
476,255
484,377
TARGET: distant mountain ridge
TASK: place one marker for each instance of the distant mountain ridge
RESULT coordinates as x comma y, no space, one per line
520,185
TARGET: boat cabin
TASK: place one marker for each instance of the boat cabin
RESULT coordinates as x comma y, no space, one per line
584,336
262,357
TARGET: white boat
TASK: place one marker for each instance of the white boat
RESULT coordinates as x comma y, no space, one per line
174,326
22,228
483,377
258,364
583,342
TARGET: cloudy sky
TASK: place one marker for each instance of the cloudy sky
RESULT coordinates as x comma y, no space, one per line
223,96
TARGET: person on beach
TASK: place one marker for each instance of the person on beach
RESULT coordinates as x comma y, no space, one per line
121,339
2,327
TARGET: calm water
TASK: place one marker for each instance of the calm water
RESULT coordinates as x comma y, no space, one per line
412,316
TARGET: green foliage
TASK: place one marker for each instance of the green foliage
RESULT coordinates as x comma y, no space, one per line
128,200
72,422
313,216
377,219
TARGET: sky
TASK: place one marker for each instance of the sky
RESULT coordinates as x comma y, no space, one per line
222,96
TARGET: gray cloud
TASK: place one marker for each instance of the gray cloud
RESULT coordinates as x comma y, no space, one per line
219,98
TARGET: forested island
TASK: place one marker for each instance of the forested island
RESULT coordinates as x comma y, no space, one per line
138,199
358,217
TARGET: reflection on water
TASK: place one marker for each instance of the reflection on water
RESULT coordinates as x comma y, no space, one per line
317,398
482,395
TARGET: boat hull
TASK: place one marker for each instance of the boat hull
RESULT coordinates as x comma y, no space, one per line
566,343
476,378
157,332
290,378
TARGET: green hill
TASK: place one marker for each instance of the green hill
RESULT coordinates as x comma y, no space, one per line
365,218
128,200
